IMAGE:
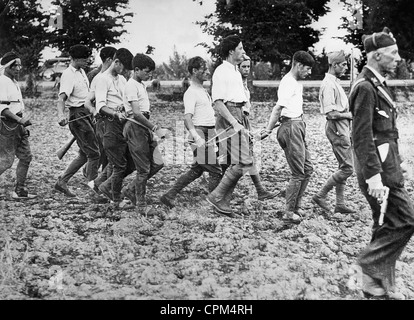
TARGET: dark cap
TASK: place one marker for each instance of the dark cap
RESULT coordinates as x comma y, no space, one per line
378,40
304,58
80,51
9,56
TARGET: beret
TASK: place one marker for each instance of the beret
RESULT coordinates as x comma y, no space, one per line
9,56
378,40
336,57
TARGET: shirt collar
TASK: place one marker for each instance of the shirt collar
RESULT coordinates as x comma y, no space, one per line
331,76
377,74
229,65
74,69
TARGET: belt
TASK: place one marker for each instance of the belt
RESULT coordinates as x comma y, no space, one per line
74,108
386,135
235,104
146,114
285,119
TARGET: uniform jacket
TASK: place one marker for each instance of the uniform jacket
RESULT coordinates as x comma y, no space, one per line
374,123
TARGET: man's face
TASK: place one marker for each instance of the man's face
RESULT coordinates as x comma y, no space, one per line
81,62
202,74
238,53
244,68
13,71
144,74
119,67
304,71
340,68
388,59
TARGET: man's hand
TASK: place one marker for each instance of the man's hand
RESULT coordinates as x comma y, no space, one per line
264,133
63,120
375,187
120,115
25,121
199,141
162,133
237,127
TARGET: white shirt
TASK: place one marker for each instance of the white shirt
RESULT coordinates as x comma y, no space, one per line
198,102
109,91
290,97
93,83
332,96
136,91
228,84
10,91
75,84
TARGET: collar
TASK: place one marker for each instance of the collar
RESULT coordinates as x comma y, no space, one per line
377,74
331,76
74,69
230,65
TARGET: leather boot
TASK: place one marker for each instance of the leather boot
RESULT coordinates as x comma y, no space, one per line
213,180
340,202
320,197
220,197
181,183
262,194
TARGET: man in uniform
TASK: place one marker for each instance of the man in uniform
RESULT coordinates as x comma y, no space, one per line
334,105
14,136
229,99
378,166
74,89
291,134
200,121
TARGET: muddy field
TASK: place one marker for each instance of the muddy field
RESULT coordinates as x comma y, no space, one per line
59,248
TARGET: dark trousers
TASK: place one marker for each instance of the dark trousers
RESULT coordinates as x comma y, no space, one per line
83,131
342,149
115,147
291,138
100,130
378,259
14,141
145,154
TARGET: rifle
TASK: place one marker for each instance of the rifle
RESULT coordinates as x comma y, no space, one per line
62,151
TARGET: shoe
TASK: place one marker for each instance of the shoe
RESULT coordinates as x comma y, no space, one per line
126,193
164,200
22,194
107,193
395,295
371,287
343,209
229,215
266,196
321,202
125,205
220,206
91,184
62,187
289,217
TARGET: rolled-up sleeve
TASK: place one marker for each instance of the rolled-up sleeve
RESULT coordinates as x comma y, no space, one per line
101,92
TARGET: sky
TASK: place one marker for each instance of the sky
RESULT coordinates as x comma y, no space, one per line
165,24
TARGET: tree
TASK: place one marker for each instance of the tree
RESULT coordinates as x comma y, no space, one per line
175,69
22,30
95,23
377,14
271,30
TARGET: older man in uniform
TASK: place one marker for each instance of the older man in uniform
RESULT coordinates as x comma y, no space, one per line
334,105
74,89
229,98
14,136
379,167
292,132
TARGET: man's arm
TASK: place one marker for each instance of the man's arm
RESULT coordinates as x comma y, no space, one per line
89,103
277,109
336,115
222,110
62,119
25,121
138,116
188,121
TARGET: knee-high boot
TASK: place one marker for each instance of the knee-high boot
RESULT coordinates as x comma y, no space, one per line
262,194
220,197
181,183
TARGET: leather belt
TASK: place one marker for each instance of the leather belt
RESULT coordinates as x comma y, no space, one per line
235,104
285,119
386,135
